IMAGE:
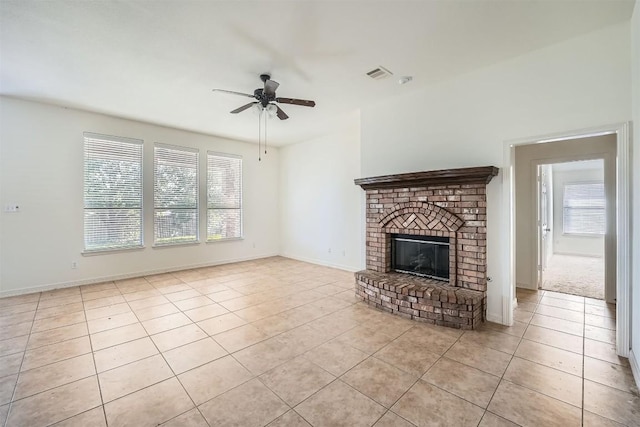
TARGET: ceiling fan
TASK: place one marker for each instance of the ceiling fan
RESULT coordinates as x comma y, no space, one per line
266,98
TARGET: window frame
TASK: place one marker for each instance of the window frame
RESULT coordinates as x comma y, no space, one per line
197,239
121,140
241,198
603,209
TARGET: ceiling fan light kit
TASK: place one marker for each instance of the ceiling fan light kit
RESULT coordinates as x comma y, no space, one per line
265,101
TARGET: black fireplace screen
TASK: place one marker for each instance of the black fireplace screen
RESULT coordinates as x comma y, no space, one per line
420,255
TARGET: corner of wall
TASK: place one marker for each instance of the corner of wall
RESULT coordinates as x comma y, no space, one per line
634,355
635,367
320,210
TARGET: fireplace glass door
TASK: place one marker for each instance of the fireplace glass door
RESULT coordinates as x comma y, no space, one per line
420,255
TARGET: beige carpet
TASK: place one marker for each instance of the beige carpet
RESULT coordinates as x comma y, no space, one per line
575,275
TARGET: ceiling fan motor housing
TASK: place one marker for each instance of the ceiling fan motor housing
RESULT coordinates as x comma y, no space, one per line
263,97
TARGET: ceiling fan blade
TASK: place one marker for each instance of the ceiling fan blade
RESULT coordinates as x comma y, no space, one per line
302,102
281,114
233,93
244,107
270,87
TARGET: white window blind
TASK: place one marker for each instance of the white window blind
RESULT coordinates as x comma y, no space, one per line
584,208
224,196
175,195
112,192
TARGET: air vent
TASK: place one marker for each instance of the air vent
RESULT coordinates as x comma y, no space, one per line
379,73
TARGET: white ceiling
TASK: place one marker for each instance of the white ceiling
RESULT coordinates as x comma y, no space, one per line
157,61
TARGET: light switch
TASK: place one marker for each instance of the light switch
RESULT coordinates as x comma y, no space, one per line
12,208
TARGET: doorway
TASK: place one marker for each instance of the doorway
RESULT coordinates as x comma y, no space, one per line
531,239
571,227
621,245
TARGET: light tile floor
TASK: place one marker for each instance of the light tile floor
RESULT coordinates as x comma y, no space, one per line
283,343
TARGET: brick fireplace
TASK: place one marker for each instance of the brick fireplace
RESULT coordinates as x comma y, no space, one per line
448,205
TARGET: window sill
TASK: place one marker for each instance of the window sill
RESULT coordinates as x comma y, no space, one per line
589,236
228,239
173,245
110,251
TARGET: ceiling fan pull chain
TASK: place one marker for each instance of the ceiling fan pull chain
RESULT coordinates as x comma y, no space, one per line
259,134
266,117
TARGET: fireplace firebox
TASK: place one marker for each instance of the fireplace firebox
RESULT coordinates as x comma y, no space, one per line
426,256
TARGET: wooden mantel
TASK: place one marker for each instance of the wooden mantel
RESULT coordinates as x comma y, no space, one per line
474,175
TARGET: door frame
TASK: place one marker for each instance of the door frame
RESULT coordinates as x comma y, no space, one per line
623,206
544,231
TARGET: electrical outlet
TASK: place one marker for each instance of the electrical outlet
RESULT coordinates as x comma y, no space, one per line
12,208
74,265
344,252
329,251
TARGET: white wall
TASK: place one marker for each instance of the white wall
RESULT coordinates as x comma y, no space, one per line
635,148
580,83
572,244
321,212
41,169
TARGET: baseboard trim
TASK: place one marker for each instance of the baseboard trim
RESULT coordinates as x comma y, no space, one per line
635,368
70,284
495,318
322,262
526,286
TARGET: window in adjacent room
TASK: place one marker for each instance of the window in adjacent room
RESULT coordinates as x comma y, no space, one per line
224,196
175,215
584,208
112,192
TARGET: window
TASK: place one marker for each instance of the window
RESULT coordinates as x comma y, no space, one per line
112,192
584,208
224,196
175,195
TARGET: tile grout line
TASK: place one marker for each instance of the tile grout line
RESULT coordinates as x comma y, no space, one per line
298,355
418,378
511,359
336,377
549,367
513,356
95,366
165,361
462,363
93,358
162,355
126,365
584,356
291,408
104,411
24,355
207,336
15,386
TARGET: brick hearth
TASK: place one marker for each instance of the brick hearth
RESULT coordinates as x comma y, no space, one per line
450,203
